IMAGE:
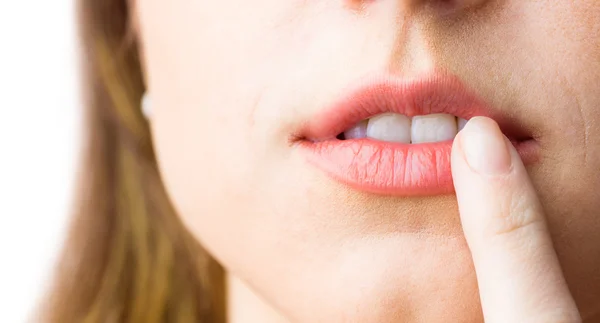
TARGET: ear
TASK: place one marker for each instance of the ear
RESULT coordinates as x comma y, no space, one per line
134,36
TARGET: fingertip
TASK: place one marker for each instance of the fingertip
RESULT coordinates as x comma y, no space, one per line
484,147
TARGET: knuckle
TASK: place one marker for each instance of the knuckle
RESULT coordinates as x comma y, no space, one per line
515,216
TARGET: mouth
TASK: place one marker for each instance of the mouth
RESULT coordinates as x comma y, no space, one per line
394,137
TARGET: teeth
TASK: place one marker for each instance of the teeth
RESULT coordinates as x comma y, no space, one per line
395,127
461,123
433,128
389,127
357,132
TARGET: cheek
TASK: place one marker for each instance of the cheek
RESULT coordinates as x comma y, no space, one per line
208,120
208,185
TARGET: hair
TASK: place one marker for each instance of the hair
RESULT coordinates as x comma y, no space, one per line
127,258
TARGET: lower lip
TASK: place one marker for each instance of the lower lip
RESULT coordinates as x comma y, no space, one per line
393,168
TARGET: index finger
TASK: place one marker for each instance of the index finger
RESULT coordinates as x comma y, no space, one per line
518,273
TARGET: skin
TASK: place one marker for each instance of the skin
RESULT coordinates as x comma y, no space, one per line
231,81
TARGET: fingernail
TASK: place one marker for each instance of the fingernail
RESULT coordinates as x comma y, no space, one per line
484,147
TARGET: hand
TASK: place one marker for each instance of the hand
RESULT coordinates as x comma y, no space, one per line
518,273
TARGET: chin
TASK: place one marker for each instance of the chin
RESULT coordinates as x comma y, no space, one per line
394,278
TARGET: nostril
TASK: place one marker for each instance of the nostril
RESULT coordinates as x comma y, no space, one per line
459,5
412,7
451,7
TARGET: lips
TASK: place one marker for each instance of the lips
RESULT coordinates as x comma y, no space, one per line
398,168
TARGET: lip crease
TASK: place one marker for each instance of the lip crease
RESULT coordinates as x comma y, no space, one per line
395,168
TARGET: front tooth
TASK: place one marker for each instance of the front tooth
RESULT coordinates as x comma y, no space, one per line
391,127
433,128
357,132
461,123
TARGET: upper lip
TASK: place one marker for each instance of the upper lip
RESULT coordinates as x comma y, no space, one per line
438,93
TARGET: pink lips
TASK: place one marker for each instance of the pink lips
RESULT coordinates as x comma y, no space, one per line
393,168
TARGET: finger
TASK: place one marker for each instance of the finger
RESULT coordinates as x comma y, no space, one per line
518,273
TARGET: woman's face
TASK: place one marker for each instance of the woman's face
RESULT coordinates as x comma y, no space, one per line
234,83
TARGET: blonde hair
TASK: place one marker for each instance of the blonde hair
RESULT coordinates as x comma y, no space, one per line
128,258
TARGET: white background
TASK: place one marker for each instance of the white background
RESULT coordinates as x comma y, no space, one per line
39,138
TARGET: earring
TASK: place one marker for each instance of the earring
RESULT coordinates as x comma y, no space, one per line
146,106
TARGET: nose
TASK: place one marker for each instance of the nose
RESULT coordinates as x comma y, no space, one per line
415,5
450,5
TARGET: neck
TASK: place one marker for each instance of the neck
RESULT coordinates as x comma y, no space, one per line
244,306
